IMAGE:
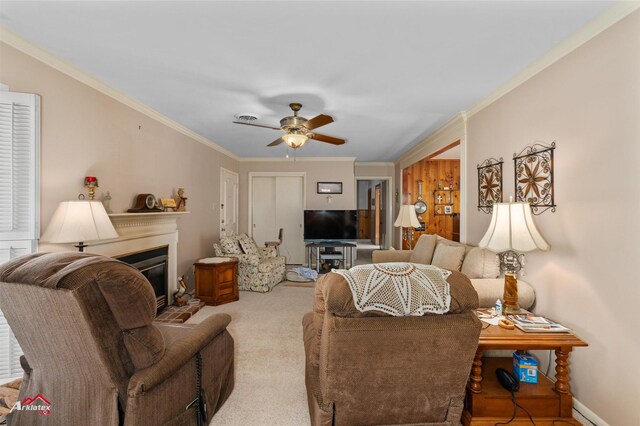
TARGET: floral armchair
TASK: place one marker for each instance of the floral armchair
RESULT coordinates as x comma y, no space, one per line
259,268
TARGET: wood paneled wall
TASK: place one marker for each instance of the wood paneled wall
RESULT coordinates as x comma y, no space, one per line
445,173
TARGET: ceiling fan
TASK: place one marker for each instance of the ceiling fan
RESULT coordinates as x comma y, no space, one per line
297,130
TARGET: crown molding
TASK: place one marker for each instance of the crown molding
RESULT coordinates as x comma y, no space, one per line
374,163
294,160
448,133
14,40
599,24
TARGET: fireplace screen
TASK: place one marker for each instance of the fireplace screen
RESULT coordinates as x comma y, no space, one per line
153,264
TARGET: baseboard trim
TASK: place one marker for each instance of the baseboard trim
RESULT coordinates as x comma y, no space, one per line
587,413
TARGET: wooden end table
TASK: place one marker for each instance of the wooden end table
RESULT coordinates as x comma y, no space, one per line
487,402
217,280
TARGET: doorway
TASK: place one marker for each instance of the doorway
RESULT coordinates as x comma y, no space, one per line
435,180
373,220
228,203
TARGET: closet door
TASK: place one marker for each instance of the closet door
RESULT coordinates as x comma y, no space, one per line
263,209
290,216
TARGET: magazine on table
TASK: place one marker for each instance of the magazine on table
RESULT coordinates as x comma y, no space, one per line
535,324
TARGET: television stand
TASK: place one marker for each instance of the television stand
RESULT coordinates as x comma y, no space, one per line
326,251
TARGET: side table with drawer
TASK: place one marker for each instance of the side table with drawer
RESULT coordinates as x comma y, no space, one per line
217,280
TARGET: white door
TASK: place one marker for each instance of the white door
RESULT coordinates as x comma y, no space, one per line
228,202
290,216
263,209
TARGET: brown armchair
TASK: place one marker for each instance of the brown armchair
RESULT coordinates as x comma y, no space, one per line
371,368
85,325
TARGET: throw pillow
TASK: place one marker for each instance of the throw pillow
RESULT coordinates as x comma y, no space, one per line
480,263
448,257
248,245
230,245
423,251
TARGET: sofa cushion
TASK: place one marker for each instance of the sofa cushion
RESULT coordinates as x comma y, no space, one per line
230,245
491,289
423,251
480,263
268,264
248,245
448,256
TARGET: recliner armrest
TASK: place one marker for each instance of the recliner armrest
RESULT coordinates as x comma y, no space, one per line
178,354
384,256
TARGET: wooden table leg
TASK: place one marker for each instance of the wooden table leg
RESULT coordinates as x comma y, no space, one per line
562,370
476,373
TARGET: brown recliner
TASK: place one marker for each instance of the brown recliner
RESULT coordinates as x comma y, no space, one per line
372,368
91,349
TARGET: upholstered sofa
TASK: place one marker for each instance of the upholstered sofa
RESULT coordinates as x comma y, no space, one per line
373,368
479,265
92,350
259,268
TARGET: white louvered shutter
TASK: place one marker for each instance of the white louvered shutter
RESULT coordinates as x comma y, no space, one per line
19,198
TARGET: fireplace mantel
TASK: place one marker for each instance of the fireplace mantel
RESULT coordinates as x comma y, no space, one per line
138,232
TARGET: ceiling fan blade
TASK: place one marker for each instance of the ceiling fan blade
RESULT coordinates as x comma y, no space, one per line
257,125
276,142
327,139
318,121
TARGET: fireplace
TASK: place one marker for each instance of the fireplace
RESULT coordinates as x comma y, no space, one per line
142,233
153,264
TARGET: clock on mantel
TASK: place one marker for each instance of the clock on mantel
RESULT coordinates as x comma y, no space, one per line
145,203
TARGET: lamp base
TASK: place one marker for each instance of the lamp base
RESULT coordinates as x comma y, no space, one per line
510,296
408,237
80,246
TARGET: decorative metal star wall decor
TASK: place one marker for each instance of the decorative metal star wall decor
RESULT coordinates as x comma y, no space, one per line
534,177
489,184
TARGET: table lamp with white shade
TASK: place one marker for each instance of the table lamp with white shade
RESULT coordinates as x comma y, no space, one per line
512,233
77,222
408,220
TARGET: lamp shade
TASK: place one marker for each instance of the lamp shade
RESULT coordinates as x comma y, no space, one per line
512,228
407,217
75,221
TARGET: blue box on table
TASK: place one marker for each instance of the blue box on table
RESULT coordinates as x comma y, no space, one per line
525,367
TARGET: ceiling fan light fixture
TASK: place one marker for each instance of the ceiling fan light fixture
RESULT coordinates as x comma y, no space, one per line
295,140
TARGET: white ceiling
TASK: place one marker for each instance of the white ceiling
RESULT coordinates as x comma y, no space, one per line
390,73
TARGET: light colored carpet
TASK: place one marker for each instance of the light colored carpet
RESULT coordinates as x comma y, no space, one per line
269,357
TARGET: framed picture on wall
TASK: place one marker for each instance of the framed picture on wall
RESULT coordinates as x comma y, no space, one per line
329,188
448,209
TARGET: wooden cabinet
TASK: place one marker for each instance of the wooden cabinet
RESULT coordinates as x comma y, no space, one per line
217,283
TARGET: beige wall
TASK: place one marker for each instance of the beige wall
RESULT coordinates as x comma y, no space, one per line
589,103
85,132
374,170
316,171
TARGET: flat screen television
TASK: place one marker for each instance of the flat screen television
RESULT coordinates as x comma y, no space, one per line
330,225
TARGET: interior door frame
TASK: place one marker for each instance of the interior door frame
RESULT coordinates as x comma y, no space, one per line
389,210
378,219
237,175
303,175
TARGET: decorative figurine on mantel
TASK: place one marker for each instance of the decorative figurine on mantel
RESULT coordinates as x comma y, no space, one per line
91,182
107,202
181,201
